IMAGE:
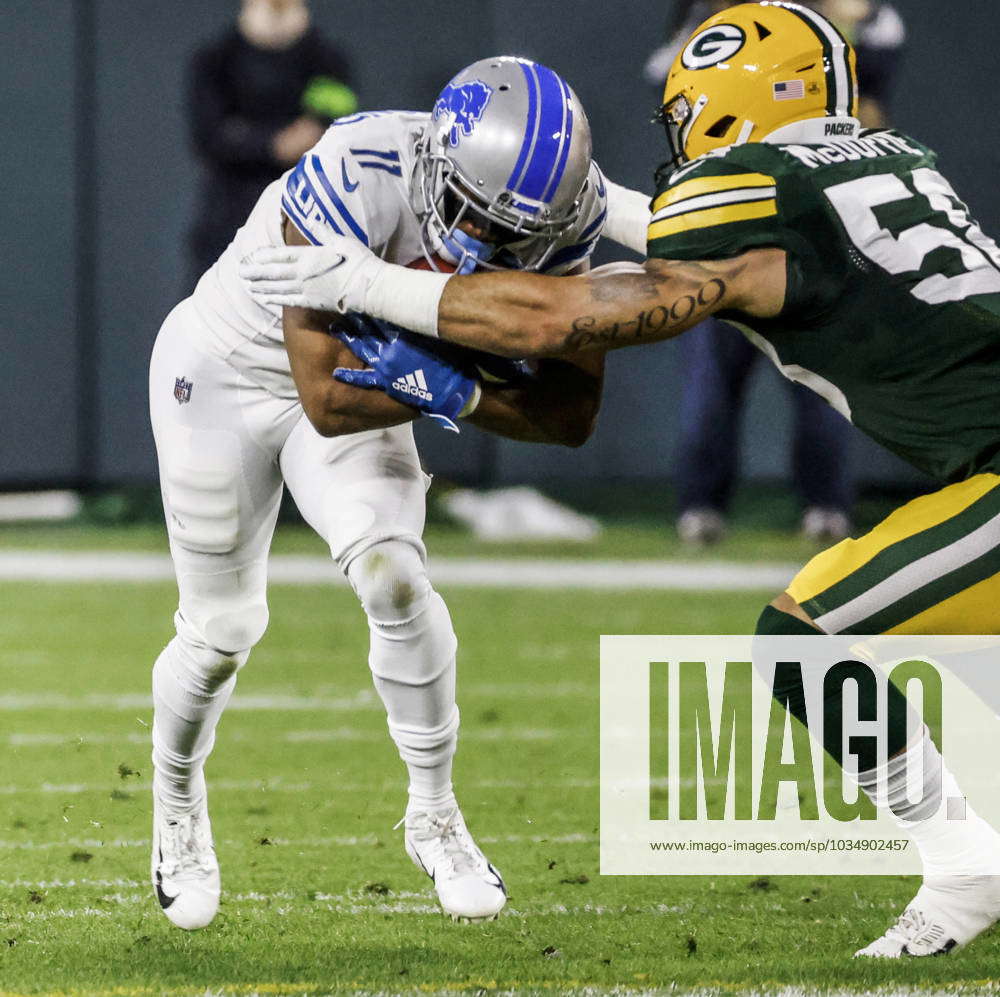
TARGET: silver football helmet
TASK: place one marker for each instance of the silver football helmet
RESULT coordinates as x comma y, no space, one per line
508,148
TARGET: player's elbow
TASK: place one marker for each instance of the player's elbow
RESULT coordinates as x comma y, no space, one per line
579,430
573,423
324,411
572,436
582,431
327,424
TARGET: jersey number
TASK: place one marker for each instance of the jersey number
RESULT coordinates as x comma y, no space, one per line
905,253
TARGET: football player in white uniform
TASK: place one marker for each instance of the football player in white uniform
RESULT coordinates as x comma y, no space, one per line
243,400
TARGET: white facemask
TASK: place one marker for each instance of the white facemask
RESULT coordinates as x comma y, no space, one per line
268,26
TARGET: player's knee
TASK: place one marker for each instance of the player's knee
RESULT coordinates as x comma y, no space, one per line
217,667
218,641
196,668
237,630
391,581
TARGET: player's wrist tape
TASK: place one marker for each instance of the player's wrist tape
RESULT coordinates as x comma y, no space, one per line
409,298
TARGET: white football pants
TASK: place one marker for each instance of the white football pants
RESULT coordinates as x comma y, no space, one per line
225,445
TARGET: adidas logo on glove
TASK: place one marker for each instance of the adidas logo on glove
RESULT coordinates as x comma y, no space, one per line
414,384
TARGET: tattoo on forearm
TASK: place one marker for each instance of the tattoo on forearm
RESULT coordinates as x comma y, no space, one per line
650,323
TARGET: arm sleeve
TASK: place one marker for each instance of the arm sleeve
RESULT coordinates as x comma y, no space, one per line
321,198
218,135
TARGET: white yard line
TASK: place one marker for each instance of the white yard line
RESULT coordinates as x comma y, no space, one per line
335,841
341,734
352,904
287,569
279,786
280,702
275,701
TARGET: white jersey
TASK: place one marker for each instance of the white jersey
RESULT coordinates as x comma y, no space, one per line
356,182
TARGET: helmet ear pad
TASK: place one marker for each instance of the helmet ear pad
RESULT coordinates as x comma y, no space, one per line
509,140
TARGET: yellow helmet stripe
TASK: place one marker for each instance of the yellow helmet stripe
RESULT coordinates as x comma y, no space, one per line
710,185
712,216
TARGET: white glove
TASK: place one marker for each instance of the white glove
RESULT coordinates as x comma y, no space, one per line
344,276
330,278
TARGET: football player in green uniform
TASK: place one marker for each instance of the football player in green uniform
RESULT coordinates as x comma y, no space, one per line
850,261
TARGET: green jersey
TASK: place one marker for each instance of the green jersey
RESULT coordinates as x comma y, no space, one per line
892,310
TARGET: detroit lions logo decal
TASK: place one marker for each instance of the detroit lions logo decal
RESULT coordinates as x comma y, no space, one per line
464,103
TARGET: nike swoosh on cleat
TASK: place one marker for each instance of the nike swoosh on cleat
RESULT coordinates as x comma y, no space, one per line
348,186
165,899
426,870
500,884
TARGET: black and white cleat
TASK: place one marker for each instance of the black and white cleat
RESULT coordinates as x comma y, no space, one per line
944,915
184,869
468,886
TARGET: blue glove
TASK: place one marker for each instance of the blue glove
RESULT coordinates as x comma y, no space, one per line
429,377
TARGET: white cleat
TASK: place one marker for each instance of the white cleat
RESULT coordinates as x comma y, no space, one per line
185,871
944,915
468,886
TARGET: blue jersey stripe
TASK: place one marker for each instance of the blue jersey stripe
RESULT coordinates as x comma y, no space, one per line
530,127
337,202
594,226
299,176
571,254
396,171
378,154
297,220
551,133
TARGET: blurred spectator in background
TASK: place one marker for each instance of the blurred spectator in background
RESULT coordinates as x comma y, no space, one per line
718,360
260,96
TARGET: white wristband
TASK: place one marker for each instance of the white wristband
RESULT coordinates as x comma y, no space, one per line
628,217
409,298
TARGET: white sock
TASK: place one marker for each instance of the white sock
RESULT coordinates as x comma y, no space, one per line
952,839
412,659
191,687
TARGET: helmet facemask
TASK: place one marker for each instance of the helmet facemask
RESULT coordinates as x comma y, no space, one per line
678,117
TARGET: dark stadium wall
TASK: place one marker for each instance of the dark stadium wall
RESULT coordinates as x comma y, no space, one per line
101,177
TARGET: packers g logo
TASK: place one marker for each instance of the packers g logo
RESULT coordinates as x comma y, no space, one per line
712,46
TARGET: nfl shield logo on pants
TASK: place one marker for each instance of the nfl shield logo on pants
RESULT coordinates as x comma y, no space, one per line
182,390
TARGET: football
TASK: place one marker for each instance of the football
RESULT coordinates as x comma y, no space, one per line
440,265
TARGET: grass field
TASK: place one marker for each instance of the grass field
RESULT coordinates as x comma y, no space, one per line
305,789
